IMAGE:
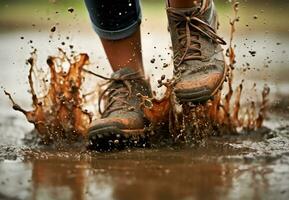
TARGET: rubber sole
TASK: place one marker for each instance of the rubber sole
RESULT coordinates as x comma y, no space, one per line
113,138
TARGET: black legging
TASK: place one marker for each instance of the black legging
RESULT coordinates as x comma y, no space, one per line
114,19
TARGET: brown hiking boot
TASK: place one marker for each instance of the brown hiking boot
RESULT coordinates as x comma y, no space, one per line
122,117
199,65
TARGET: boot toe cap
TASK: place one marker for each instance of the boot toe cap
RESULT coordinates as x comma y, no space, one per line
200,89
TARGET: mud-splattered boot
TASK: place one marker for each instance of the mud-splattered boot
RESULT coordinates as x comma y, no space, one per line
121,119
199,65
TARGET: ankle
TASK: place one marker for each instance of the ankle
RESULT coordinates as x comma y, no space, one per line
125,52
184,3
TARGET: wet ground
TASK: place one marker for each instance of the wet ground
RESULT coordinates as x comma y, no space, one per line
247,166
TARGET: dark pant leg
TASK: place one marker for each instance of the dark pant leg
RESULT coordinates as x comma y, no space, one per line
114,19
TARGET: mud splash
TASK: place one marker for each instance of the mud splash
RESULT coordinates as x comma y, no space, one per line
60,112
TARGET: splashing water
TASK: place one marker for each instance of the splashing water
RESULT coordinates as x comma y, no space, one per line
60,113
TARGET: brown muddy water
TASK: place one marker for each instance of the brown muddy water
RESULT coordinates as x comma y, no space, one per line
248,166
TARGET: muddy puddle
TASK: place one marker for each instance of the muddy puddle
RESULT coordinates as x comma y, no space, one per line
249,166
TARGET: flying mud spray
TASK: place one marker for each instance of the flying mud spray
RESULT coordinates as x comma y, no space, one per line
59,113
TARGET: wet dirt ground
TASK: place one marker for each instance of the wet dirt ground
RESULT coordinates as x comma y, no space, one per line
247,166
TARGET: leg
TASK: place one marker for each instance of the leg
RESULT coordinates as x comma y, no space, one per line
183,3
124,52
117,24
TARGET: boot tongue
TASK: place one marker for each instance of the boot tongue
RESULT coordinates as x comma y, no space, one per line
205,13
121,72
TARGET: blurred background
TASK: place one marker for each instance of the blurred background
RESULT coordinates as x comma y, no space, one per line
261,40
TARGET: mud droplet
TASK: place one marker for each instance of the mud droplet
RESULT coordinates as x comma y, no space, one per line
153,60
71,10
253,53
22,38
53,29
165,65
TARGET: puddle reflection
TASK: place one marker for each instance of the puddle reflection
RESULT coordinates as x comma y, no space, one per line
144,178
143,175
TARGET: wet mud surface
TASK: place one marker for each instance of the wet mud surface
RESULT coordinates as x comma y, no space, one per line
247,166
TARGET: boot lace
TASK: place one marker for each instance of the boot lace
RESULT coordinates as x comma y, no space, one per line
118,92
189,26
